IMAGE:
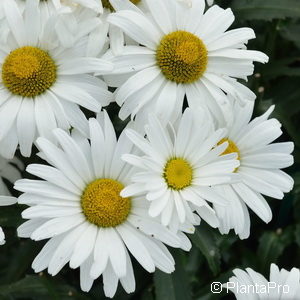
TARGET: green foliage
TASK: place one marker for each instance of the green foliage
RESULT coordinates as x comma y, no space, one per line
271,246
204,239
213,256
38,287
173,286
266,9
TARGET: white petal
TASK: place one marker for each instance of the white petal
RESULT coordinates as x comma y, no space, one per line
8,114
58,159
57,226
54,176
86,281
137,26
15,21
84,65
26,126
7,200
42,260
136,247
75,155
64,251
116,252
110,281
84,246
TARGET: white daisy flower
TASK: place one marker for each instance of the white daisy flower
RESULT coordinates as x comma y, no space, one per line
183,51
259,171
117,39
10,171
42,83
178,168
252,285
78,206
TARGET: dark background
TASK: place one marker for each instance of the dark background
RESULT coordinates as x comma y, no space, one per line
277,25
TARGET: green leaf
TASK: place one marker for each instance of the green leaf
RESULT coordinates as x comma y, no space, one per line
173,286
266,9
204,239
205,293
147,295
282,67
164,286
297,234
283,114
11,216
39,287
272,245
23,257
291,32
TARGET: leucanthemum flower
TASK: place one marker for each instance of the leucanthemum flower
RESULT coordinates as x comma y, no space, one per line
259,171
283,284
183,51
42,83
10,171
178,166
78,207
117,39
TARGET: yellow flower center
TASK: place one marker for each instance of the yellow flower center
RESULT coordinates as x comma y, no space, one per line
28,71
107,4
232,148
102,204
182,57
178,174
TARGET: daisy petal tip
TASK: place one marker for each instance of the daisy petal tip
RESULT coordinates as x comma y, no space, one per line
124,157
170,270
191,230
92,121
73,264
187,249
151,269
85,289
153,214
40,140
125,193
149,198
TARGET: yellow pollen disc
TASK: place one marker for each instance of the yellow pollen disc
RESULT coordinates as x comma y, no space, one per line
106,4
28,71
102,204
178,174
182,57
232,148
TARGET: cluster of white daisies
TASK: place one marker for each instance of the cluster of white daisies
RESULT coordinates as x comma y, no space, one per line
101,198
